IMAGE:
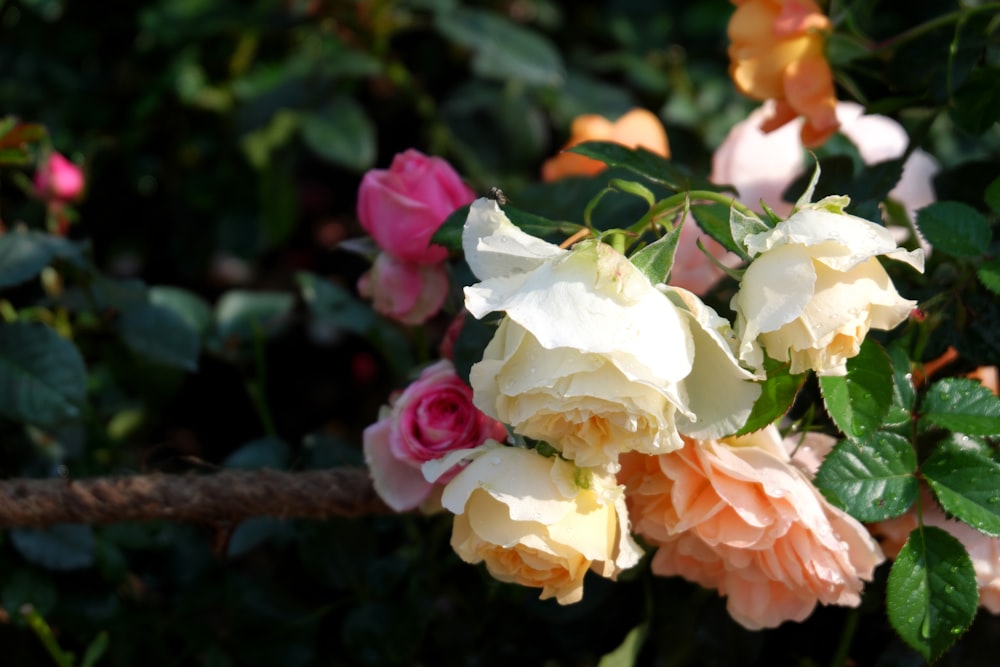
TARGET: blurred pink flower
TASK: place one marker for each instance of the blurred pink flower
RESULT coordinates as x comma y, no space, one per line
761,166
983,549
736,515
405,292
692,270
58,179
401,207
434,415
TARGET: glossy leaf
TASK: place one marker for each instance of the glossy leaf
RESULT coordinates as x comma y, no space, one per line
23,254
647,164
989,275
777,393
502,49
954,228
60,547
962,405
161,335
965,482
859,402
333,303
43,379
741,226
714,221
931,594
872,478
341,133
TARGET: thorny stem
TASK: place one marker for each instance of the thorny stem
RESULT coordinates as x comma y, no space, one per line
44,633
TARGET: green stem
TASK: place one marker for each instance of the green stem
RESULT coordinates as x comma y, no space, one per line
846,638
44,633
257,385
933,24
678,199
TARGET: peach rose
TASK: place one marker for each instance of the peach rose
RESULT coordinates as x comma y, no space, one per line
736,515
638,127
537,521
776,52
761,165
984,551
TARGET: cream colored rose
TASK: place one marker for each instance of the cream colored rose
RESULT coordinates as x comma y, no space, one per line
537,521
592,358
815,287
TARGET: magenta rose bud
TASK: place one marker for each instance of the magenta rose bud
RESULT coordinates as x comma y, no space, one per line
58,179
405,292
401,207
433,416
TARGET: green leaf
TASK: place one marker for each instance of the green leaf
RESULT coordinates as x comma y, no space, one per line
330,302
279,202
627,653
265,452
29,586
647,164
190,307
904,395
43,379
962,405
976,106
965,481
992,195
872,478
502,49
59,547
859,402
989,275
23,254
341,133
777,393
242,314
656,259
931,593
161,335
714,221
539,226
954,228
95,649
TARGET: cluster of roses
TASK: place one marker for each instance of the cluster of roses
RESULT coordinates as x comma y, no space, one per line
603,410
626,393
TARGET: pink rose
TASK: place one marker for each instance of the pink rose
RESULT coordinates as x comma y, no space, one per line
58,179
762,166
736,515
433,416
401,207
405,292
984,551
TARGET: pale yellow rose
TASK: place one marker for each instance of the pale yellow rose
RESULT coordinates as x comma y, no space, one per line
815,287
536,521
592,358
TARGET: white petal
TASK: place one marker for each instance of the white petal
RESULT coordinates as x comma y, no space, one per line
494,246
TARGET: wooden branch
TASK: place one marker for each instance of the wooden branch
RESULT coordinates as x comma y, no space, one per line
226,496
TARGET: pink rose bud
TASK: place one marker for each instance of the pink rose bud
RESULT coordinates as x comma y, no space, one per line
401,207
405,292
58,179
433,416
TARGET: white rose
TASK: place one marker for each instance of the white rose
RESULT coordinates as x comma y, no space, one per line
537,521
815,287
592,358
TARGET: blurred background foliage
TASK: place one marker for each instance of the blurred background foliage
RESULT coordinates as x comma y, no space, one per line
216,322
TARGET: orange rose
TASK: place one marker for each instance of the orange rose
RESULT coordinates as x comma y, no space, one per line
776,52
638,127
738,515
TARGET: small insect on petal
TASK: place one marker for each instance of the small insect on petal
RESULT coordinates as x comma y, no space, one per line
497,195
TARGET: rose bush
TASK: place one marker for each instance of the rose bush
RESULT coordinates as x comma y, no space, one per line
736,515
406,292
537,521
815,287
401,207
776,52
434,415
638,127
591,357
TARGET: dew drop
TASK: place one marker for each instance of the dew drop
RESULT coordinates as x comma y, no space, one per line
495,460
